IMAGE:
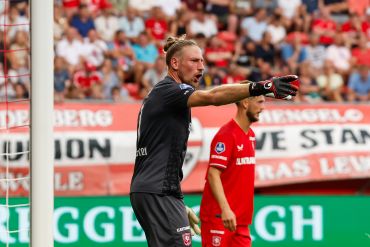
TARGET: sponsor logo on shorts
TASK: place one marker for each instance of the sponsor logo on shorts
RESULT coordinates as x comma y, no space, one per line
186,237
220,147
216,240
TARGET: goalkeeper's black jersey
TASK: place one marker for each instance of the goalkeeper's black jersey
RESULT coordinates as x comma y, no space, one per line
162,133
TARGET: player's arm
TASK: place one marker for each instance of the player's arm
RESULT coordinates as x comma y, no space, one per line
227,215
284,87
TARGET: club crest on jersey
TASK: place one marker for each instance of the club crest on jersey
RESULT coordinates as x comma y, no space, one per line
216,240
220,147
186,237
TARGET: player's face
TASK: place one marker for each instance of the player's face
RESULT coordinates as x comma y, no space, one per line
255,106
191,65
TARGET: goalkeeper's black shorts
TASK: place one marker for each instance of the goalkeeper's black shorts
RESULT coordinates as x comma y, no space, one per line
163,219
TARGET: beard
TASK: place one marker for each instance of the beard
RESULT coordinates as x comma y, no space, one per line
252,117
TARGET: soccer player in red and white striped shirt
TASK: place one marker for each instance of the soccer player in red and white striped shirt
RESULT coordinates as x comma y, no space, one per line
227,204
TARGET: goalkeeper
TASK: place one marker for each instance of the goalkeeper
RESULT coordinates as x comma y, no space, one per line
163,129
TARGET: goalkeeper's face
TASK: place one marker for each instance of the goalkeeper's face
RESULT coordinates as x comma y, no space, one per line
255,106
191,65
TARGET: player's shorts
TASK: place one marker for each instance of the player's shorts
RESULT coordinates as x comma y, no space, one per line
163,219
215,234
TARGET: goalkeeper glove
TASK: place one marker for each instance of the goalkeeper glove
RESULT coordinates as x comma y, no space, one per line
193,221
280,87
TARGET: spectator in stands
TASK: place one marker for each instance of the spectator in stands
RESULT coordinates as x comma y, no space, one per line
311,5
359,85
330,83
107,23
169,8
221,10
61,78
289,7
131,24
20,48
245,53
340,55
255,26
70,47
269,5
202,23
121,53
324,26
85,78
194,5
60,22
109,77
293,53
358,7
119,94
146,53
20,91
153,75
235,74
6,89
265,51
83,21
316,52
276,29
353,29
156,25
361,54
262,72
218,52
95,49
70,7
180,24
145,50
309,91
14,22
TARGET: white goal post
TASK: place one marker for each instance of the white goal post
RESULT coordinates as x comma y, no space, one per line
42,141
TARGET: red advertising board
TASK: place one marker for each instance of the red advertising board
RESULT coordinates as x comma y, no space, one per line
95,146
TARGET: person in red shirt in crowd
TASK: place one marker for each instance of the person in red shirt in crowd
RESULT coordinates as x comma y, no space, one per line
354,28
230,177
86,78
325,27
361,54
218,52
157,25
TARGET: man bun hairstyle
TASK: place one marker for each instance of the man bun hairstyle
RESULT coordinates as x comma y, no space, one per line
174,45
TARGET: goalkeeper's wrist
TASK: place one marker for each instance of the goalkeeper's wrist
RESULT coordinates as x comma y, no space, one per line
257,89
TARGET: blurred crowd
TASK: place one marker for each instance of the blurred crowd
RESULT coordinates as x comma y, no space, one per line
112,49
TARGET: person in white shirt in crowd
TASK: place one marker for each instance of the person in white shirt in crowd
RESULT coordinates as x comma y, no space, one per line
202,23
106,23
330,83
276,29
289,7
255,26
131,23
340,55
70,47
95,48
316,52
